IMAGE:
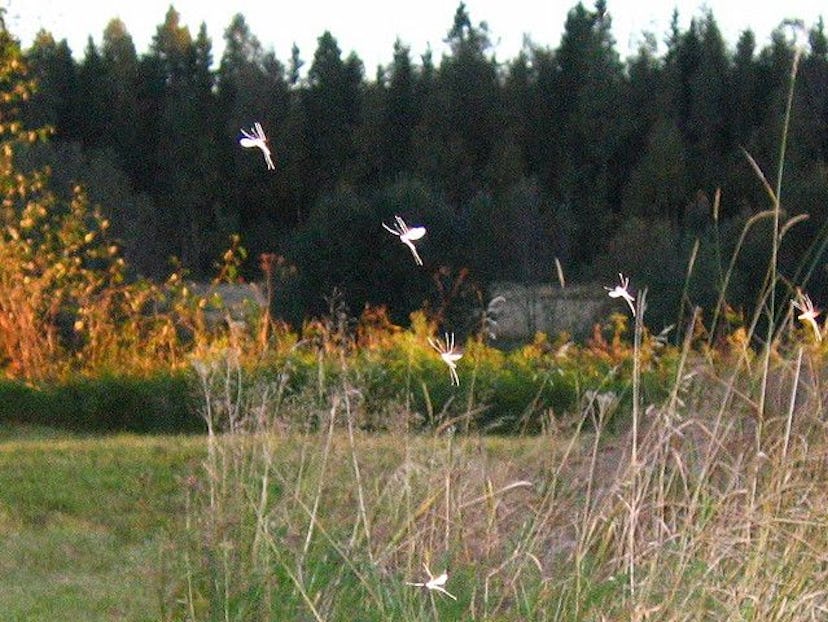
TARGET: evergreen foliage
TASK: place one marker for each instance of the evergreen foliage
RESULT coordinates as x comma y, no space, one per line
560,152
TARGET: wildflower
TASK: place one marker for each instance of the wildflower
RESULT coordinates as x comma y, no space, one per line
449,355
256,138
621,291
407,235
809,312
434,583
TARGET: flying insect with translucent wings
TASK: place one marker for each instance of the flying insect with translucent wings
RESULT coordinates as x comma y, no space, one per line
256,138
408,235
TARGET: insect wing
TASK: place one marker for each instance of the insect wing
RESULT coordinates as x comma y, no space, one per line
415,233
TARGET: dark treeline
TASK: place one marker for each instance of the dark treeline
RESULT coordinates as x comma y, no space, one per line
568,152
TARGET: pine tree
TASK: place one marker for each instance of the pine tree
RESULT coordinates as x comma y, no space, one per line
333,110
190,210
401,115
54,70
120,62
466,111
587,97
96,92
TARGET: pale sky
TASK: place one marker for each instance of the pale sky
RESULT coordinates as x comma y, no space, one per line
370,27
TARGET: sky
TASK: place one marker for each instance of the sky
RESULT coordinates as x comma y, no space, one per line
370,27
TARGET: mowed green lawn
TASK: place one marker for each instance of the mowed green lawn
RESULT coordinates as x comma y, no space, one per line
84,523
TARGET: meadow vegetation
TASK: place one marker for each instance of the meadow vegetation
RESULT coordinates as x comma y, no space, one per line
290,508
624,478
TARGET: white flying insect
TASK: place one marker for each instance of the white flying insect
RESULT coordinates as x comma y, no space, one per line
622,291
434,583
809,312
407,235
256,138
449,355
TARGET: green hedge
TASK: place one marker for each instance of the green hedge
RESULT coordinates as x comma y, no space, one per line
503,392
163,403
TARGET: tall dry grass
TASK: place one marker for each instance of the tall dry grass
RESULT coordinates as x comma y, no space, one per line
703,524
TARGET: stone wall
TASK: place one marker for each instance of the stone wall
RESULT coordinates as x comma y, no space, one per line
527,309
523,311
238,300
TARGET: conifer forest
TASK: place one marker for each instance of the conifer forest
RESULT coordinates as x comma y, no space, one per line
567,152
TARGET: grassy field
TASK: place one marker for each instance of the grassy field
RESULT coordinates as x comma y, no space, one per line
723,515
85,522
